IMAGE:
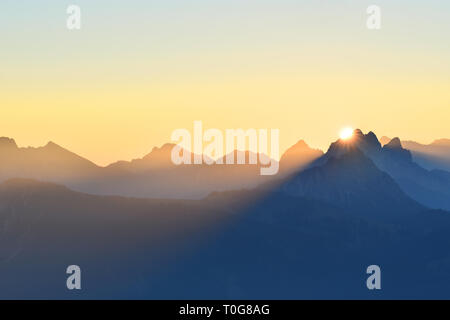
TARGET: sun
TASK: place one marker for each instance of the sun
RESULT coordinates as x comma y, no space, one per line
346,133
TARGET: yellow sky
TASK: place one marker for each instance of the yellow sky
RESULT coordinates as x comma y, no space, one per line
112,91
107,123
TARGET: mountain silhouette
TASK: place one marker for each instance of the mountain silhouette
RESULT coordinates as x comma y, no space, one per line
153,176
430,188
435,155
351,180
47,226
49,163
158,158
298,157
276,246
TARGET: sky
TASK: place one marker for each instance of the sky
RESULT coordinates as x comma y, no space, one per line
138,70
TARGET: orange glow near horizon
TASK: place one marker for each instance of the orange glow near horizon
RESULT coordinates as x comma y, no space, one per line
107,93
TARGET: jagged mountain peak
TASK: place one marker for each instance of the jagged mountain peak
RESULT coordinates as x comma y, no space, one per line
301,147
167,147
368,140
367,143
51,144
358,132
395,151
394,144
372,139
6,142
300,144
161,153
351,181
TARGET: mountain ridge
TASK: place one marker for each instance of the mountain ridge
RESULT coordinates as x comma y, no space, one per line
431,189
152,176
435,155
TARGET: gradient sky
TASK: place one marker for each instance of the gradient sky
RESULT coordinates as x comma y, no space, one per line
140,69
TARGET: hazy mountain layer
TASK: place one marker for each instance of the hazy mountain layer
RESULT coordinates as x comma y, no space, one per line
435,155
153,176
238,245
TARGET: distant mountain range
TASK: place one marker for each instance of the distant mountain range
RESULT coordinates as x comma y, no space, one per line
47,227
153,176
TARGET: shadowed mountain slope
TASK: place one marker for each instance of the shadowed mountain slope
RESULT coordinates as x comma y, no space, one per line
351,180
274,246
435,155
46,227
430,188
